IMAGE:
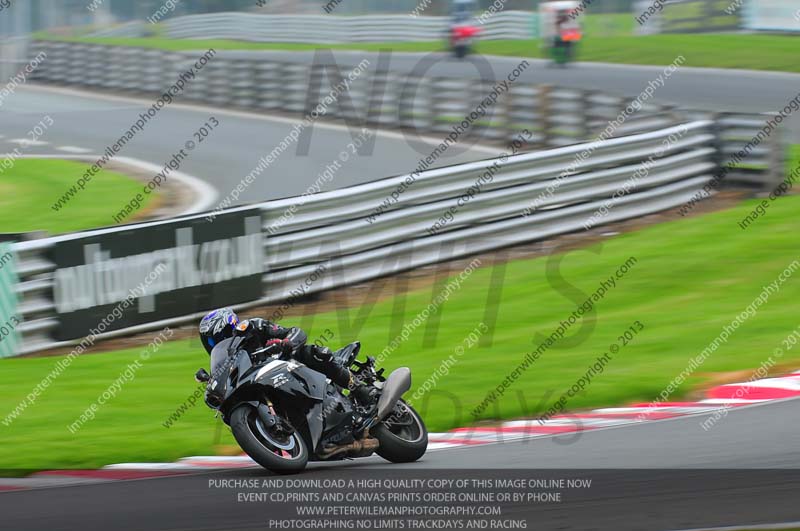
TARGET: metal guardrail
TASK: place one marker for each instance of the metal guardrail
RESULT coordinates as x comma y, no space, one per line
428,105
763,169
322,29
330,229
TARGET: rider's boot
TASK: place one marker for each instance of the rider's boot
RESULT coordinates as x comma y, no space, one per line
363,393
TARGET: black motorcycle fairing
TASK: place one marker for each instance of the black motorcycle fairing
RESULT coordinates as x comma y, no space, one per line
345,355
291,377
338,418
290,382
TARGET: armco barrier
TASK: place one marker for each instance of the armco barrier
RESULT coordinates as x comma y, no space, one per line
430,105
328,242
323,28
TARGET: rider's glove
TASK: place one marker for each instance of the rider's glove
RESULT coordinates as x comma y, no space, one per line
284,345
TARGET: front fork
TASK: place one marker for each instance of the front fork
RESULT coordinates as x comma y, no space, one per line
267,415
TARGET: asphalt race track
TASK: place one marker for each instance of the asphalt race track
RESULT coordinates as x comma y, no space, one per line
90,122
232,150
671,493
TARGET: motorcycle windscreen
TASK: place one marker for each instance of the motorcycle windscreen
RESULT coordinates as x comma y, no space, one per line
219,355
222,359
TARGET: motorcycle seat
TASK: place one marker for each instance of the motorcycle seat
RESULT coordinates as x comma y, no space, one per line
345,355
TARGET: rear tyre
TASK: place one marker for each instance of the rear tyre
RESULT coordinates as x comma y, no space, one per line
277,452
403,435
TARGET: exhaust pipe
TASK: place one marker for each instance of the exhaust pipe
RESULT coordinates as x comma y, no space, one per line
395,387
358,448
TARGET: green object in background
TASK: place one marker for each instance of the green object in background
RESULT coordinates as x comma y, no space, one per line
562,53
9,338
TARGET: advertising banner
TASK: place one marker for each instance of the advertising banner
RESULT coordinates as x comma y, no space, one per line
109,280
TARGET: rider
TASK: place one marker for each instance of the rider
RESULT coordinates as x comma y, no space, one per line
224,323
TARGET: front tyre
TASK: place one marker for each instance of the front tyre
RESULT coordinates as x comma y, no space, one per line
276,451
403,435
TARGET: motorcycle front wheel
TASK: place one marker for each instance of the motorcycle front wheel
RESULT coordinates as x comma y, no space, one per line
403,435
277,452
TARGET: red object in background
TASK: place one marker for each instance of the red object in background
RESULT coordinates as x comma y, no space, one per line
465,32
571,35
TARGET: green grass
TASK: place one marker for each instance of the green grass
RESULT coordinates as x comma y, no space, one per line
608,24
793,159
693,277
32,186
756,52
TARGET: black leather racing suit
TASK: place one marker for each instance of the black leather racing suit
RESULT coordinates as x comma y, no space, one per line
293,341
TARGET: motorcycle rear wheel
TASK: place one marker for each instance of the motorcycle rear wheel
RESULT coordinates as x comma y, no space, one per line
287,455
403,435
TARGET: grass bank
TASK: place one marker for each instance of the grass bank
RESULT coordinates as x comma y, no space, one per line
30,187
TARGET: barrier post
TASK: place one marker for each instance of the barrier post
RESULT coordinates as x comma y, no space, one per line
9,319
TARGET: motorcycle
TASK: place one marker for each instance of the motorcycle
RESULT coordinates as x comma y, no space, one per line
461,37
284,414
560,30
